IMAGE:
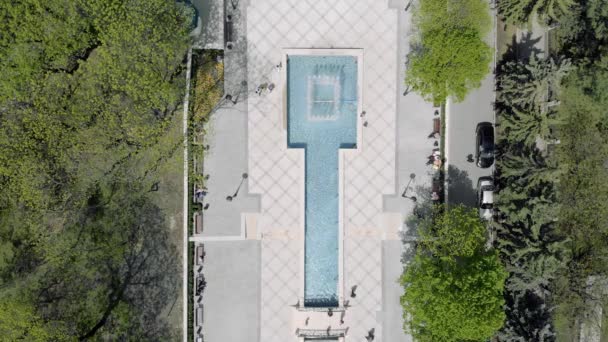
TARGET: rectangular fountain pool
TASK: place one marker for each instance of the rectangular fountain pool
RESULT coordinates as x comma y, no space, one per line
322,118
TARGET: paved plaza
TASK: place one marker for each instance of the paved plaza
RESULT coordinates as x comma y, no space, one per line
260,234
277,172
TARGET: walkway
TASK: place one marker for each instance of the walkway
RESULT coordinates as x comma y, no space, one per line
277,172
232,265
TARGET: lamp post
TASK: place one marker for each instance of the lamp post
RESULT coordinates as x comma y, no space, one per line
229,98
229,198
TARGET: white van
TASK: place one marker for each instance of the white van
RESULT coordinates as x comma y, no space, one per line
485,197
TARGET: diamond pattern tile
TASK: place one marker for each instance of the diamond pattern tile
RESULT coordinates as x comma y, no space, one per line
362,260
276,172
280,261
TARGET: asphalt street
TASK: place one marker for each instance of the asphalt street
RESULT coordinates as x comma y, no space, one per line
462,119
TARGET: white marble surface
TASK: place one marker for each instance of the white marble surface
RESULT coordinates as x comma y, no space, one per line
276,171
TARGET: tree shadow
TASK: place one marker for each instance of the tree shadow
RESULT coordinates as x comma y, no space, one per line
528,318
521,50
423,210
118,277
155,286
460,187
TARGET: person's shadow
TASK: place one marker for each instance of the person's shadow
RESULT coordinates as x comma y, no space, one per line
371,334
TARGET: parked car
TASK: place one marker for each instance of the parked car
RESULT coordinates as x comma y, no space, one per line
485,197
484,146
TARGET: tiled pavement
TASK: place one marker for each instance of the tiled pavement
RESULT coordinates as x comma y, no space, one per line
280,274
389,150
277,172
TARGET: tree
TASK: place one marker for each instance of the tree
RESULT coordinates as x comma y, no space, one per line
524,11
527,126
454,286
530,85
533,253
582,34
583,193
597,12
87,102
530,171
528,318
583,187
449,56
526,93
19,322
111,88
552,205
455,233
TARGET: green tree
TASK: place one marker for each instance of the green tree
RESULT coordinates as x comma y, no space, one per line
530,85
524,11
597,13
19,322
449,56
582,34
456,233
87,102
552,207
583,192
527,93
454,286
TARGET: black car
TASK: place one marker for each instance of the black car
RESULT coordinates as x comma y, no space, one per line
484,145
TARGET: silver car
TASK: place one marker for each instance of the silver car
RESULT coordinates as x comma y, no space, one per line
485,197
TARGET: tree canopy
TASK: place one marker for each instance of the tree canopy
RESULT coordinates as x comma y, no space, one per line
448,54
454,286
583,190
551,180
524,11
87,103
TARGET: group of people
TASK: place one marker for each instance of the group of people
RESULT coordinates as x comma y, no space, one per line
435,159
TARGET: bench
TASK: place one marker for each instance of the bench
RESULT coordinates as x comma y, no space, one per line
198,223
200,254
436,125
199,316
228,32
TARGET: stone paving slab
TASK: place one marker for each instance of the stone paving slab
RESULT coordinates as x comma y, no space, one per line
225,163
391,292
392,146
277,173
232,297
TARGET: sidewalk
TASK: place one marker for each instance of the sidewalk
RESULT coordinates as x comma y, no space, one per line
413,125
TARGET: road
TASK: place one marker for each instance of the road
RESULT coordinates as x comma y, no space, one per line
461,121
462,118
